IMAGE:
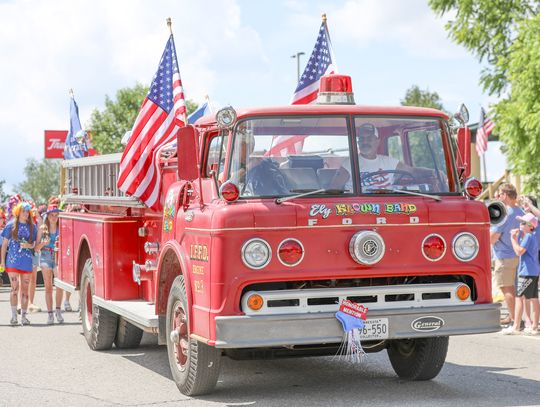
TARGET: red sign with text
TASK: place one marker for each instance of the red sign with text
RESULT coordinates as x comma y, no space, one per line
55,141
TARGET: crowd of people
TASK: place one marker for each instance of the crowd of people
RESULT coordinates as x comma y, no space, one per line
29,235
516,254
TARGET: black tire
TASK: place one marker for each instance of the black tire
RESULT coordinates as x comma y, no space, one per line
99,325
128,336
197,369
418,359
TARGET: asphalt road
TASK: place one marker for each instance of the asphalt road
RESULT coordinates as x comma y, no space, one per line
52,365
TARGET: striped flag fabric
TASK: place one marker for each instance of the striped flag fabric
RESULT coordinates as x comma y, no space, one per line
321,62
162,113
485,127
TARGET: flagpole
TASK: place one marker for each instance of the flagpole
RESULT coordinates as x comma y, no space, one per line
71,93
169,24
484,166
207,98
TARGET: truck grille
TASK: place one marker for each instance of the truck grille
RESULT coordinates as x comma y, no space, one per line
374,297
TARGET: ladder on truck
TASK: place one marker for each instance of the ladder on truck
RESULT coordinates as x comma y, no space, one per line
92,180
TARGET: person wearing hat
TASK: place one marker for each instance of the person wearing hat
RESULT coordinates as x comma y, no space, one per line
49,234
371,162
19,240
525,246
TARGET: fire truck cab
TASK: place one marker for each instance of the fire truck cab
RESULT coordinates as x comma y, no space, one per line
273,216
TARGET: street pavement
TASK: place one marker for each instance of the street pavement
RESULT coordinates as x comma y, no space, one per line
53,366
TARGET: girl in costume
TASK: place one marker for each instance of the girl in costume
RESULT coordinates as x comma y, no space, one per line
38,220
49,234
19,239
2,226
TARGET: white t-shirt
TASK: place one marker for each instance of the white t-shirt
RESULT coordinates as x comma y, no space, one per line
380,163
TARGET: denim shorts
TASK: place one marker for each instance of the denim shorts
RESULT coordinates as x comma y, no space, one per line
47,259
35,260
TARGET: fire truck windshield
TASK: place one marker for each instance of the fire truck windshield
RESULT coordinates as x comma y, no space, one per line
285,156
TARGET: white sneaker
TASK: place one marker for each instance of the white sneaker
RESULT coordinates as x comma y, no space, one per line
510,331
14,321
67,306
59,316
50,319
24,320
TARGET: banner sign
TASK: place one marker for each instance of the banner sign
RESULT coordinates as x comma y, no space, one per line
55,141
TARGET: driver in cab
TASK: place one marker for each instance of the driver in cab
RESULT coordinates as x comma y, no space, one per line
382,171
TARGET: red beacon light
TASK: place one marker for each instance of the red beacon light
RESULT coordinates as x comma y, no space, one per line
473,188
229,191
335,90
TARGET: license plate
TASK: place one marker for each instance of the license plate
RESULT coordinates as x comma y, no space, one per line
375,329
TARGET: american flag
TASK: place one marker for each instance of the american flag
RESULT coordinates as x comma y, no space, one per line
485,126
320,63
162,113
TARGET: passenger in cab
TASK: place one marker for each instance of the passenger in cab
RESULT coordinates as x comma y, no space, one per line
379,171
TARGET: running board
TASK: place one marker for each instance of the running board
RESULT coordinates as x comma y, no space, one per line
140,313
64,286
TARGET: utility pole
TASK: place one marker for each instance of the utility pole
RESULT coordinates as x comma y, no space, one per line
297,56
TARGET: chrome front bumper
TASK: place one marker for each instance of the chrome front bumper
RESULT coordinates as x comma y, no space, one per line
320,328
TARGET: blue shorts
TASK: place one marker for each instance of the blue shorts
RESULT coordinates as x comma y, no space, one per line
35,260
47,259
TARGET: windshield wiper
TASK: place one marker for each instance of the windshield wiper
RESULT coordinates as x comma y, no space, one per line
406,192
312,192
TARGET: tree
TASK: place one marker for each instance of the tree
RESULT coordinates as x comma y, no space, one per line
488,28
42,180
422,98
506,35
517,117
3,196
109,126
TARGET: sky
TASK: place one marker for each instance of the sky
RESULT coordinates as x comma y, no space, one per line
236,51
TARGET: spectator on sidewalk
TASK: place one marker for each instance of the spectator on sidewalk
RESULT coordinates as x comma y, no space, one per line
524,245
48,263
19,239
38,220
506,261
2,226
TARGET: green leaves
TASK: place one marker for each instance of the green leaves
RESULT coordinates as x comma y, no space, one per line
109,126
506,35
422,98
42,180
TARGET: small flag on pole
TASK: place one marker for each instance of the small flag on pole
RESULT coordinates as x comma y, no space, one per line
485,127
201,111
162,113
321,62
76,140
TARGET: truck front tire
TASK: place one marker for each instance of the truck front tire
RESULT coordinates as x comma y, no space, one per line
99,325
128,336
418,359
194,365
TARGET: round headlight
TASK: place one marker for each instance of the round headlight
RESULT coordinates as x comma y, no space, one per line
226,117
256,253
465,246
290,252
367,247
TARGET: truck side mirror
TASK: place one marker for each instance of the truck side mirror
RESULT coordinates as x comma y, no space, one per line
464,152
187,153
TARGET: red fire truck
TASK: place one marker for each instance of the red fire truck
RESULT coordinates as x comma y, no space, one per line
271,218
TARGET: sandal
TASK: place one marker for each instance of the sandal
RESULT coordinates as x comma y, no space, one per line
506,321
